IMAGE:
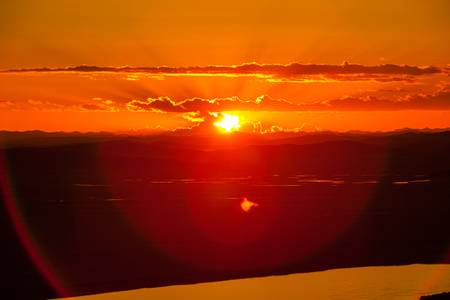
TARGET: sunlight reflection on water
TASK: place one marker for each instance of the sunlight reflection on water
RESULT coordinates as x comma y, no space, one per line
366,283
277,180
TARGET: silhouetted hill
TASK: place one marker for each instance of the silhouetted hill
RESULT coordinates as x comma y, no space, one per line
242,155
38,138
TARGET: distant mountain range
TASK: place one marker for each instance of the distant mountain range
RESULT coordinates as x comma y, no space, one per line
237,154
37,138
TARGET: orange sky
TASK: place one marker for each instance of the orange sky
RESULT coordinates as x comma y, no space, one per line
293,52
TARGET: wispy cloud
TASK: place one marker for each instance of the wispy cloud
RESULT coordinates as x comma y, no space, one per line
96,105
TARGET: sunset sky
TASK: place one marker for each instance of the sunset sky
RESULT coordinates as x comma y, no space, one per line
150,66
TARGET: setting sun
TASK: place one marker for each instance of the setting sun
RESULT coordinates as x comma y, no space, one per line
228,122
221,140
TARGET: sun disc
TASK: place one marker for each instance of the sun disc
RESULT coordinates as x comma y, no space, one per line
228,122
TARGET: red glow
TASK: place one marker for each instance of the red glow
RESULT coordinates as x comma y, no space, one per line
207,220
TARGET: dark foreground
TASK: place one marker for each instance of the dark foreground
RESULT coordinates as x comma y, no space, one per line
442,296
126,213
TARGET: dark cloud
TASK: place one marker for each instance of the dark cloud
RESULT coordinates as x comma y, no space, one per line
164,104
198,108
360,104
161,104
439,100
289,72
